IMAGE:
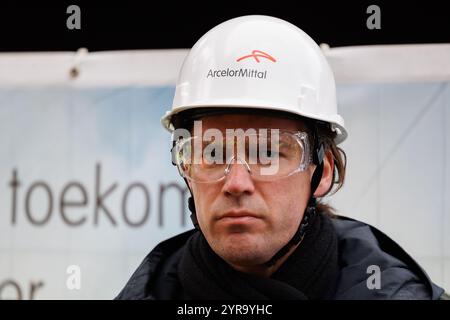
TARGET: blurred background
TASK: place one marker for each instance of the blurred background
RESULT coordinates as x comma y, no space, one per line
87,188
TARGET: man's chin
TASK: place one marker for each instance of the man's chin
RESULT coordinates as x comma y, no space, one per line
243,250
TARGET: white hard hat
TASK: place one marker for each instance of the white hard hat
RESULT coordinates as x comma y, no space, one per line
258,62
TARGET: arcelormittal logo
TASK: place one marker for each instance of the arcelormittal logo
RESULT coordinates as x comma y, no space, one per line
257,54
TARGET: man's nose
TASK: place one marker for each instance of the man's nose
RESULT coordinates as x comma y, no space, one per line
238,180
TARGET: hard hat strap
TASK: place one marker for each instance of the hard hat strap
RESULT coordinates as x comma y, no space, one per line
191,206
299,234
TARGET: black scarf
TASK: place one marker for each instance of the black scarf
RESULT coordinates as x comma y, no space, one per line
309,273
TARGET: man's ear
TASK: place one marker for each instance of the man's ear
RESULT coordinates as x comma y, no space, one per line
327,175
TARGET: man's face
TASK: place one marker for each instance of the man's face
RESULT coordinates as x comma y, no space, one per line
267,213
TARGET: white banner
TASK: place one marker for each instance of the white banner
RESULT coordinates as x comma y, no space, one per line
87,188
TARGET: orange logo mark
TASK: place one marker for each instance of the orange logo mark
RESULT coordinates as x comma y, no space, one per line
258,54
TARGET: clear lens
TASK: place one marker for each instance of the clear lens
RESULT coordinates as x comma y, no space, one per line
267,156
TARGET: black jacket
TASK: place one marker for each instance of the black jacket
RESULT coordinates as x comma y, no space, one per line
359,246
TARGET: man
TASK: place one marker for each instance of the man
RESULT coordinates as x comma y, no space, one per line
255,134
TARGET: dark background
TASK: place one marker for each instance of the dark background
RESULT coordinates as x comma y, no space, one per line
41,25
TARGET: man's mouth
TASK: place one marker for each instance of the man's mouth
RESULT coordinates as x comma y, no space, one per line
239,216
